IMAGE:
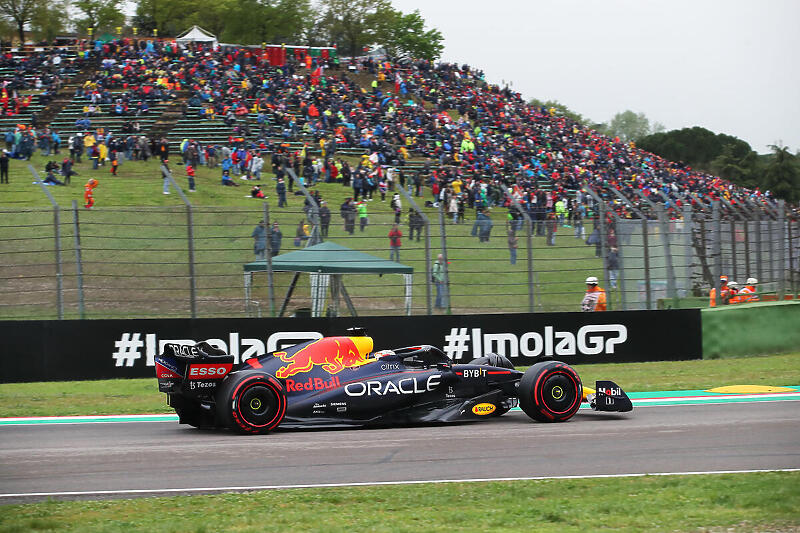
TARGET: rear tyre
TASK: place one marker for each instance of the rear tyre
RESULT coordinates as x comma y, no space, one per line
550,391
251,402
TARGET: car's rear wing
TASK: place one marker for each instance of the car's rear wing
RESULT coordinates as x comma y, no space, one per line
192,370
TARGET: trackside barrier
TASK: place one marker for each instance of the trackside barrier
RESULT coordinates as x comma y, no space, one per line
50,350
751,329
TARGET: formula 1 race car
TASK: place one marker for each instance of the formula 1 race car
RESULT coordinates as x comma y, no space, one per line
340,381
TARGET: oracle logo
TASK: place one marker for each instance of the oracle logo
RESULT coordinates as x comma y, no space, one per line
209,371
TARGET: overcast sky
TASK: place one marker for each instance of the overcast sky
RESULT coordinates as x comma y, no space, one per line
730,66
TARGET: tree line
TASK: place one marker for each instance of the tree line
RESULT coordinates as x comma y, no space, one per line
719,154
350,25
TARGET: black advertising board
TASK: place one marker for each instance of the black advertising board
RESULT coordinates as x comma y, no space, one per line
101,349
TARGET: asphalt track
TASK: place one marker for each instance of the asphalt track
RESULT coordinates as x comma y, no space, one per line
125,459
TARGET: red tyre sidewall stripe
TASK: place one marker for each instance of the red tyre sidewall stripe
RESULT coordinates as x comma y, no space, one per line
250,382
538,399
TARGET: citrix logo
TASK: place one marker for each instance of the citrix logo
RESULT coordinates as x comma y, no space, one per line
591,339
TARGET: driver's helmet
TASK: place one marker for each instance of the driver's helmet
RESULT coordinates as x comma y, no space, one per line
382,353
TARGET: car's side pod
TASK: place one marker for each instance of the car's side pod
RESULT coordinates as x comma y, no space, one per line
609,397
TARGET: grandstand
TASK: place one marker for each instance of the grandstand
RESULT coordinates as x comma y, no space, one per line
443,124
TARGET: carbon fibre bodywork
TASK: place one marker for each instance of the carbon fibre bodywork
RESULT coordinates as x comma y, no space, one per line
340,381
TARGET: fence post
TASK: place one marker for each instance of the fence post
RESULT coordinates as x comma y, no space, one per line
604,248
746,234
427,225
734,258
717,251
791,254
771,249
665,235
59,266
192,273
190,240
781,250
445,266
268,256
529,240
646,254
313,216
759,262
57,238
78,260
688,228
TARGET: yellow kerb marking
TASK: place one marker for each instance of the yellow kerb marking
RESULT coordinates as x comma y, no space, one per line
749,389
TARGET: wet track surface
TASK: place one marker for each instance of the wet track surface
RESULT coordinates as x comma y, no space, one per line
152,458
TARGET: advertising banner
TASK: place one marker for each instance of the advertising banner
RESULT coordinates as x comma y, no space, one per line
102,349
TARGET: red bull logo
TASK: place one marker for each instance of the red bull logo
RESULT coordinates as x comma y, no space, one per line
333,354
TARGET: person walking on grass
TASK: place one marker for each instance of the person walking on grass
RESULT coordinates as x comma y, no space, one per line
363,219
438,279
165,175
513,242
190,175
394,243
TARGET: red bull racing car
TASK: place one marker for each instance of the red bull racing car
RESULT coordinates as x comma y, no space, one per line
341,381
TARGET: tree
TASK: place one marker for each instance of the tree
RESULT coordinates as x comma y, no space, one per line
740,170
404,36
102,15
211,15
560,109
696,146
166,16
258,21
629,126
48,20
20,12
782,175
351,24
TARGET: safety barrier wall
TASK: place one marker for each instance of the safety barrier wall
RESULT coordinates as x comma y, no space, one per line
751,329
99,349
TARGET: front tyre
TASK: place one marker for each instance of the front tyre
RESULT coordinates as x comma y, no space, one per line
251,402
550,391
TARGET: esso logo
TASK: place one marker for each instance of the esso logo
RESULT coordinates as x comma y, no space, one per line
208,371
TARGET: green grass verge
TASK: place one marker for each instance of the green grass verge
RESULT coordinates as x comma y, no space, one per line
129,396
740,502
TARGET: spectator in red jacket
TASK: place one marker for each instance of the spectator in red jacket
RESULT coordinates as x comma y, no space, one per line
394,243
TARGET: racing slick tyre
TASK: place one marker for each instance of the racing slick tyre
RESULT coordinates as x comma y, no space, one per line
550,391
251,402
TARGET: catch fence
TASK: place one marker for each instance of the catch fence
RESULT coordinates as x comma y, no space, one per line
64,262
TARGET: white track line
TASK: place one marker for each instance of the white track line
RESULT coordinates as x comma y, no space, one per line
376,483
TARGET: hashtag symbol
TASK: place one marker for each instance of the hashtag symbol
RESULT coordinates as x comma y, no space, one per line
127,349
457,343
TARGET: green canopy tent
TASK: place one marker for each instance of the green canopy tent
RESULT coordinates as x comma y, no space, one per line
327,262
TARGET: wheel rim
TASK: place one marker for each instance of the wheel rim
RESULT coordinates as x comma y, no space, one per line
558,393
258,405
